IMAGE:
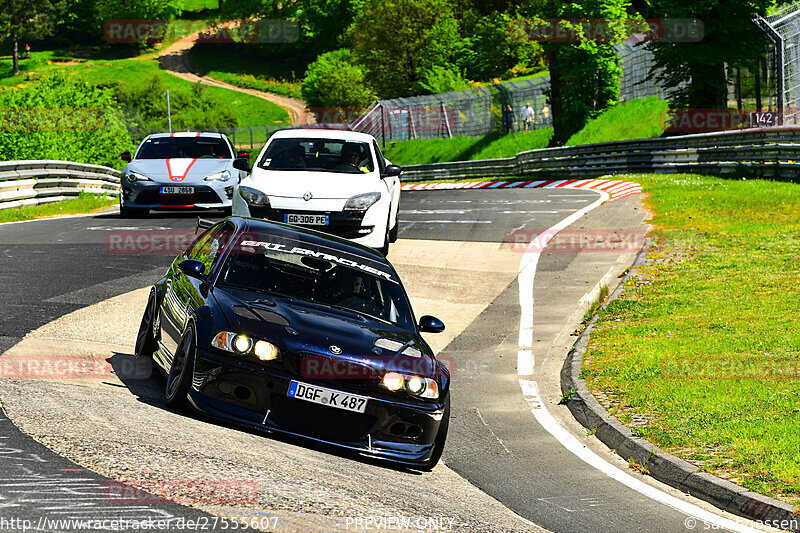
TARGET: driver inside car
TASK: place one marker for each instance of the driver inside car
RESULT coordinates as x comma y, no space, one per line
351,155
359,298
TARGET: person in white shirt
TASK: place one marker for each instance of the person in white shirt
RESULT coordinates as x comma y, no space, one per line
527,116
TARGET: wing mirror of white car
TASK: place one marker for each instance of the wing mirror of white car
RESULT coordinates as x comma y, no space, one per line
392,171
242,164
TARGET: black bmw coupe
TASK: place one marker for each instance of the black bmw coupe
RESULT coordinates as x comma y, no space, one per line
293,331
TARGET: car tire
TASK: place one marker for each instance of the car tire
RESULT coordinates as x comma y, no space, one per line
393,233
441,437
179,378
146,338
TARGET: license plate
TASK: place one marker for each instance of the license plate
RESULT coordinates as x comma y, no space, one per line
176,190
329,397
308,220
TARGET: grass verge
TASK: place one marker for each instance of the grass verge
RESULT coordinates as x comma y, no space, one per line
84,203
637,119
420,151
704,343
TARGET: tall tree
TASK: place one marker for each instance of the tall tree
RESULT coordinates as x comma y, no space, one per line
398,41
27,19
696,69
584,71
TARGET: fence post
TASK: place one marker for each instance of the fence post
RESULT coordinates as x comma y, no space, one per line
383,126
251,136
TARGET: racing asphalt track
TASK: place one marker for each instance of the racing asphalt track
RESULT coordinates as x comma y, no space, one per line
52,268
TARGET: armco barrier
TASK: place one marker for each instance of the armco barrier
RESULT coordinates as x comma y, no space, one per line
38,182
769,152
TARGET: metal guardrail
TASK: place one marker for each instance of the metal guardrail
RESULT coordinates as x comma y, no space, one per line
765,153
760,153
39,182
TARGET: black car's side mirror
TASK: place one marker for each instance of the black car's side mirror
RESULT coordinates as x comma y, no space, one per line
430,324
242,164
392,170
242,154
192,268
125,156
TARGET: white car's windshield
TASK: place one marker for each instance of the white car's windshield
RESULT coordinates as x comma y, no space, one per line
323,155
184,147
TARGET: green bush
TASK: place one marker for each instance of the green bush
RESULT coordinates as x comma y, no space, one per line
335,81
59,118
438,80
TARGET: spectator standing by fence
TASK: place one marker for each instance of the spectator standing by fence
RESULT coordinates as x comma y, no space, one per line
508,119
527,116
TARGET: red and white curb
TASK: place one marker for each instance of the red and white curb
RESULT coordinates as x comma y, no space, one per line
616,189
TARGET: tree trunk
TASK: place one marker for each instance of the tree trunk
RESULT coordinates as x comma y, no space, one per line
560,130
15,49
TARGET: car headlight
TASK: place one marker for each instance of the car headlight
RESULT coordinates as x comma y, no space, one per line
362,202
241,344
415,385
132,176
225,175
253,196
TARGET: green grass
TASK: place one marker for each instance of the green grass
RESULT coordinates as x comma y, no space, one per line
251,110
492,146
199,5
637,119
242,65
705,339
84,203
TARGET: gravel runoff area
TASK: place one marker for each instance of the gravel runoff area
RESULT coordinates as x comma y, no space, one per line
115,422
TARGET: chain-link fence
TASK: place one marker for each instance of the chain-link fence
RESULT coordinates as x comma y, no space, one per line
474,112
783,28
477,112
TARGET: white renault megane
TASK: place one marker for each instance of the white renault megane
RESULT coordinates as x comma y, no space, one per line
329,180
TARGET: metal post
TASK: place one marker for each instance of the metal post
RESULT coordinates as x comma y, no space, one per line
383,126
251,136
777,40
446,122
169,113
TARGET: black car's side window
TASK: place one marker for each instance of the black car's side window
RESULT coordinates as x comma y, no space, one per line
210,245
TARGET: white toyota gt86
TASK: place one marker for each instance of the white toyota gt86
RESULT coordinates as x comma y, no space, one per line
329,180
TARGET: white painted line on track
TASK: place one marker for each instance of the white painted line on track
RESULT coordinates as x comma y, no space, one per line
525,366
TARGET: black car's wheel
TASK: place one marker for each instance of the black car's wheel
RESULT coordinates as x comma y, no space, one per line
441,437
179,378
146,338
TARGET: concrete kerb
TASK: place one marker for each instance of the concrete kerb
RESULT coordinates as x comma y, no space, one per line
656,462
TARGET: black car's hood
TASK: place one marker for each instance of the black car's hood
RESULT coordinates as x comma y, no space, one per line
305,328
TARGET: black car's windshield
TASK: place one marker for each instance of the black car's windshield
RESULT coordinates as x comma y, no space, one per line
322,155
184,147
326,276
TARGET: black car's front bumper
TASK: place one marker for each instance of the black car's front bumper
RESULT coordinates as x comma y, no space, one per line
255,396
